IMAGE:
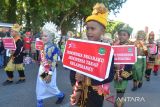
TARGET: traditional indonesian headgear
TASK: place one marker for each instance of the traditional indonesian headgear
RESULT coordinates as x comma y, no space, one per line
50,30
151,35
16,27
141,33
99,14
126,28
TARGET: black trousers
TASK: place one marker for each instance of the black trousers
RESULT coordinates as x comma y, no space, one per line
72,77
94,99
20,72
148,72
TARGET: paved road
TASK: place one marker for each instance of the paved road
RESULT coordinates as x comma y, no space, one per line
23,95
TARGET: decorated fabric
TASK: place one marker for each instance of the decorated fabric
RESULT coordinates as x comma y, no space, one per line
141,47
139,68
12,67
152,50
121,81
157,59
51,55
120,85
43,89
99,14
102,89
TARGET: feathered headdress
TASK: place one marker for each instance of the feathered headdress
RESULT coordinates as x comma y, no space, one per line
50,29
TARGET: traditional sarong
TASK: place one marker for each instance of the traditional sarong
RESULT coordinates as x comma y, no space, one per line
139,68
46,90
13,67
120,85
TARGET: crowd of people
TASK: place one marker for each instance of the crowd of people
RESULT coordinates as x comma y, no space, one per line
86,91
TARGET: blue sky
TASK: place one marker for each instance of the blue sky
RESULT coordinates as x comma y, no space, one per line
140,13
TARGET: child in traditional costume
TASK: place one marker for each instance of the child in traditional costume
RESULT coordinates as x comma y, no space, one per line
46,80
151,55
157,59
123,72
16,58
140,66
87,90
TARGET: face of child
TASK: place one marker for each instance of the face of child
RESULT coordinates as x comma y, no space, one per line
45,38
94,30
151,40
123,36
140,38
13,33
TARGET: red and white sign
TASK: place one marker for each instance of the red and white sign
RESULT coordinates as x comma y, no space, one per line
125,54
152,48
39,45
90,58
9,43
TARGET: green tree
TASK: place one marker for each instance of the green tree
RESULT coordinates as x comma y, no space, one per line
65,13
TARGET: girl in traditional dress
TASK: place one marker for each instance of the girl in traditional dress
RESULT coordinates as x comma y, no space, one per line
151,56
157,59
140,66
46,80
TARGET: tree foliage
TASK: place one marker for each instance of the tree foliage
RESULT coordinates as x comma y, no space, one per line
65,13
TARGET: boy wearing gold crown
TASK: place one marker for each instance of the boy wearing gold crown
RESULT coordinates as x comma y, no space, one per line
140,66
16,59
87,92
123,72
150,57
